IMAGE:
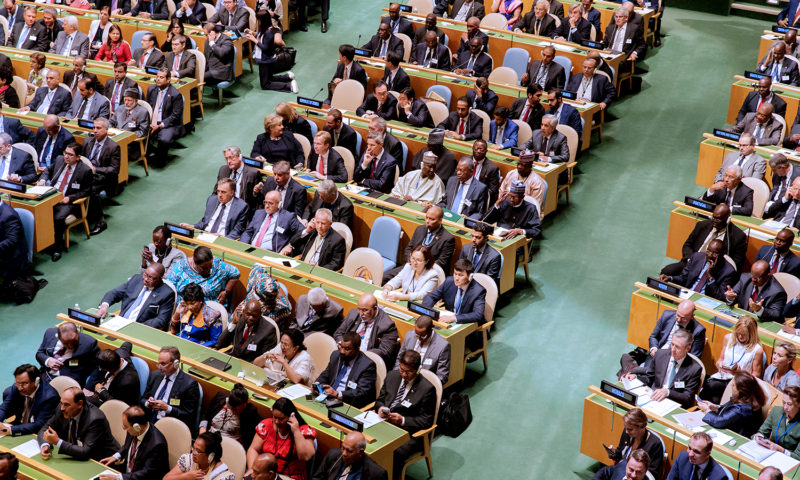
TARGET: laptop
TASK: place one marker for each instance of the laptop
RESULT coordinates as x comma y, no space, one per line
260,376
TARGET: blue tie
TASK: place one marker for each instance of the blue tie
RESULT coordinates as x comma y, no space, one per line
428,239
340,375
23,36
459,295
310,317
163,390
47,150
775,77
475,259
138,301
2,165
457,201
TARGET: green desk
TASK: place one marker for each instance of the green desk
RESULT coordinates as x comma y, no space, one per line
742,86
42,210
57,467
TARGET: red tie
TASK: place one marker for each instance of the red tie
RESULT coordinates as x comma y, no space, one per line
132,454
245,335
321,165
527,112
755,293
175,63
461,127
374,164
776,260
63,185
264,229
141,61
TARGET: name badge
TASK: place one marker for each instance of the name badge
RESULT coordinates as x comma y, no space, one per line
785,78
280,229
73,363
428,361
252,347
131,124
73,52
467,203
405,403
175,402
31,37
628,41
187,328
679,385
76,186
351,384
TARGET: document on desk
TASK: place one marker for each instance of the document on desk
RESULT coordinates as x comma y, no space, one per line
207,237
662,408
781,461
116,323
39,190
28,449
690,420
708,302
783,334
397,313
718,437
354,188
678,434
548,167
294,391
279,261
755,451
369,418
773,225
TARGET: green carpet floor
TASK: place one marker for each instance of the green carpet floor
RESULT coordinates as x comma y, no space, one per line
554,337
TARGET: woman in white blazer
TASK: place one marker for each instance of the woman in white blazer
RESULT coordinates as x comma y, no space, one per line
103,24
417,278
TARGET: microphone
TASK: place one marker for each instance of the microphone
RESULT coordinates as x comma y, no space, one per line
316,94
358,42
483,219
226,363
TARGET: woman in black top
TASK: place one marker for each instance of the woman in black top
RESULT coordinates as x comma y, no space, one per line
277,144
294,122
267,39
8,95
175,28
636,435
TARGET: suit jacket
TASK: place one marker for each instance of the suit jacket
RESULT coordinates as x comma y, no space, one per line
138,120
220,57
779,190
754,166
666,322
100,107
612,472
95,26
160,10
534,117
187,65
83,359
155,60
388,109
171,106
400,82
779,210
124,386
440,58
240,21
383,177
722,275
63,138
79,186
395,148
156,310
21,164
688,373
374,45
463,46
108,91
331,252
773,295
547,26
361,380
260,339
476,9
555,78
150,460
770,134
36,39
249,178
750,104
472,303
194,16
13,246
417,408
481,67
45,400
583,31
332,465
474,199
248,420
436,358
184,397
237,216
347,139
602,89
742,202
442,246
734,244
52,33
569,116
59,105
342,209
401,26
633,43
382,339
488,263
420,116
295,198
13,127
327,321
420,32
487,103
287,221
473,129
790,263
334,170
557,148
357,73
682,469
93,434
789,74
80,44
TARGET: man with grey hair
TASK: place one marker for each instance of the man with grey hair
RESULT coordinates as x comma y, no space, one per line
464,194
104,155
625,37
537,21
549,143
15,164
376,169
327,196
293,195
732,191
244,176
390,143
783,174
319,244
50,98
70,42
766,129
131,116
421,185
339,462
315,312
752,164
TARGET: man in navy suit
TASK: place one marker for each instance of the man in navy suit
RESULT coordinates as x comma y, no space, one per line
484,258
50,141
225,214
13,246
462,124
593,87
272,227
342,134
788,17
461,295
759,293
396,78
147,457
50,98
502,132
381,103
464,194
324,162
350,375
192,12
347,69
398,23
170,392
696,461
30,400
13,127
116,377
15,164
475,62
481,98
783,174
383,42
565,113
293,195
763,94
145,298
376,169
708,272
65,351
780,256
634,468
431,53
166,126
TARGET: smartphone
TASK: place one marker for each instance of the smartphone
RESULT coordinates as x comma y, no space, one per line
610,451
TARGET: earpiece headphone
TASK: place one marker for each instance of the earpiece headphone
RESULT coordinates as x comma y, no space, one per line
211,457
137,428
470,277
176,363
36,382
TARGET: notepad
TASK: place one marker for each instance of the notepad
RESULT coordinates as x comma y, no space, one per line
708,302
116,323
781,461
790,336
369,418
206,237
396,313
28,449
718,437
294,391
39,190
773,225
690,420
661,408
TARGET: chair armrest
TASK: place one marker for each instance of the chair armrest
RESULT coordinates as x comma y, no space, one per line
424,432
367,407
486,326
81,201
226,349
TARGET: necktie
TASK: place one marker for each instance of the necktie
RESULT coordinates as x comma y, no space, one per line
471,63
384,45
476,258
346,72
176,62
310,317
700,284
728,196
498,135
428,239
115,96
459,296
758,130
754,296
461,127
45,106
340,375
62,187
796,16
264,228
545,144
695,472
428,55
740,160
218,221
345,473
3,167
132,453
73,427
82,110
527,112
26,412
163,390
456,206
394,26
142,60
136,303
672,373
776,261
23,36
362,330
321,165
401,391
245,335
536,27
671,333
157,109
67,45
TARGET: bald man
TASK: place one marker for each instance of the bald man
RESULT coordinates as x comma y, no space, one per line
251,335
777,65
377,330
765,128
350,458
707,272
145,298
265,467
759,293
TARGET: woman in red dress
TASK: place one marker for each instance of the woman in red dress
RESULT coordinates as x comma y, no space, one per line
287,436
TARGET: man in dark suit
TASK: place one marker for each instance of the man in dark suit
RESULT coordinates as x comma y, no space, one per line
166,126
325,163
350,375
777,65
529,109
515,214
485,259
788,16
104,155
145,298
786,209
232,17
170,392
430,26
251,335
669,323
52,26
473,30
379,104
696,461
565,113
779,255
377,331
347,69
192,12
463,10
15,130
50,141
272,227
661,375
461,295
398,23
390,143
350,456
147,55
621,36
225,214
50,99
763,94
293,195
574,28
65,351
395,78
412,110
430,53
383,42
155,9
244,176
73,179
593,87
29,35
475,62
342,134
319,244
78,73
79,430
376,169
433,349
327,196
464,194
783,175
481,97
548,142
537,21
219,53
181,63
87,103
434,236
732,191
407,400
15,164
30,400
115,378
545,72
13,246
315,312
765,128
634,468
707,272
116,87
70,42
144,454
759,293
11,12
462,124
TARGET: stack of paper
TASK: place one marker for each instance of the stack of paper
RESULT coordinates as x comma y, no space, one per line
755,451
294,391
369,418
28,449
116,322
690,420
662,408
718,437
207,237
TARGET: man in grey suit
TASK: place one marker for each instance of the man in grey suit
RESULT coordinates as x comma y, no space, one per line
484,258
753,164
147,55
181,63
70,42
244,176
220,56
50,98
145,298
232,17
759,293
376,329
765,128
549,143
545,72
225,214
434,350
465,195
29,35
88,104
132,117
315,312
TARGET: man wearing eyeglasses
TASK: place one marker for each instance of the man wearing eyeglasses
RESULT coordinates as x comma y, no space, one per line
170,392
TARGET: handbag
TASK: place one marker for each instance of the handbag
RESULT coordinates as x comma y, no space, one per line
455,415
284,58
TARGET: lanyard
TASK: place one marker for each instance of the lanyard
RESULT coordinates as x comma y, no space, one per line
733,355
777,438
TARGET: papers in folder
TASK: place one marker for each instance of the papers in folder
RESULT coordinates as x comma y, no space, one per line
354,188
369,418
207,237
39,190
718,437
116,323
773,225
28,449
